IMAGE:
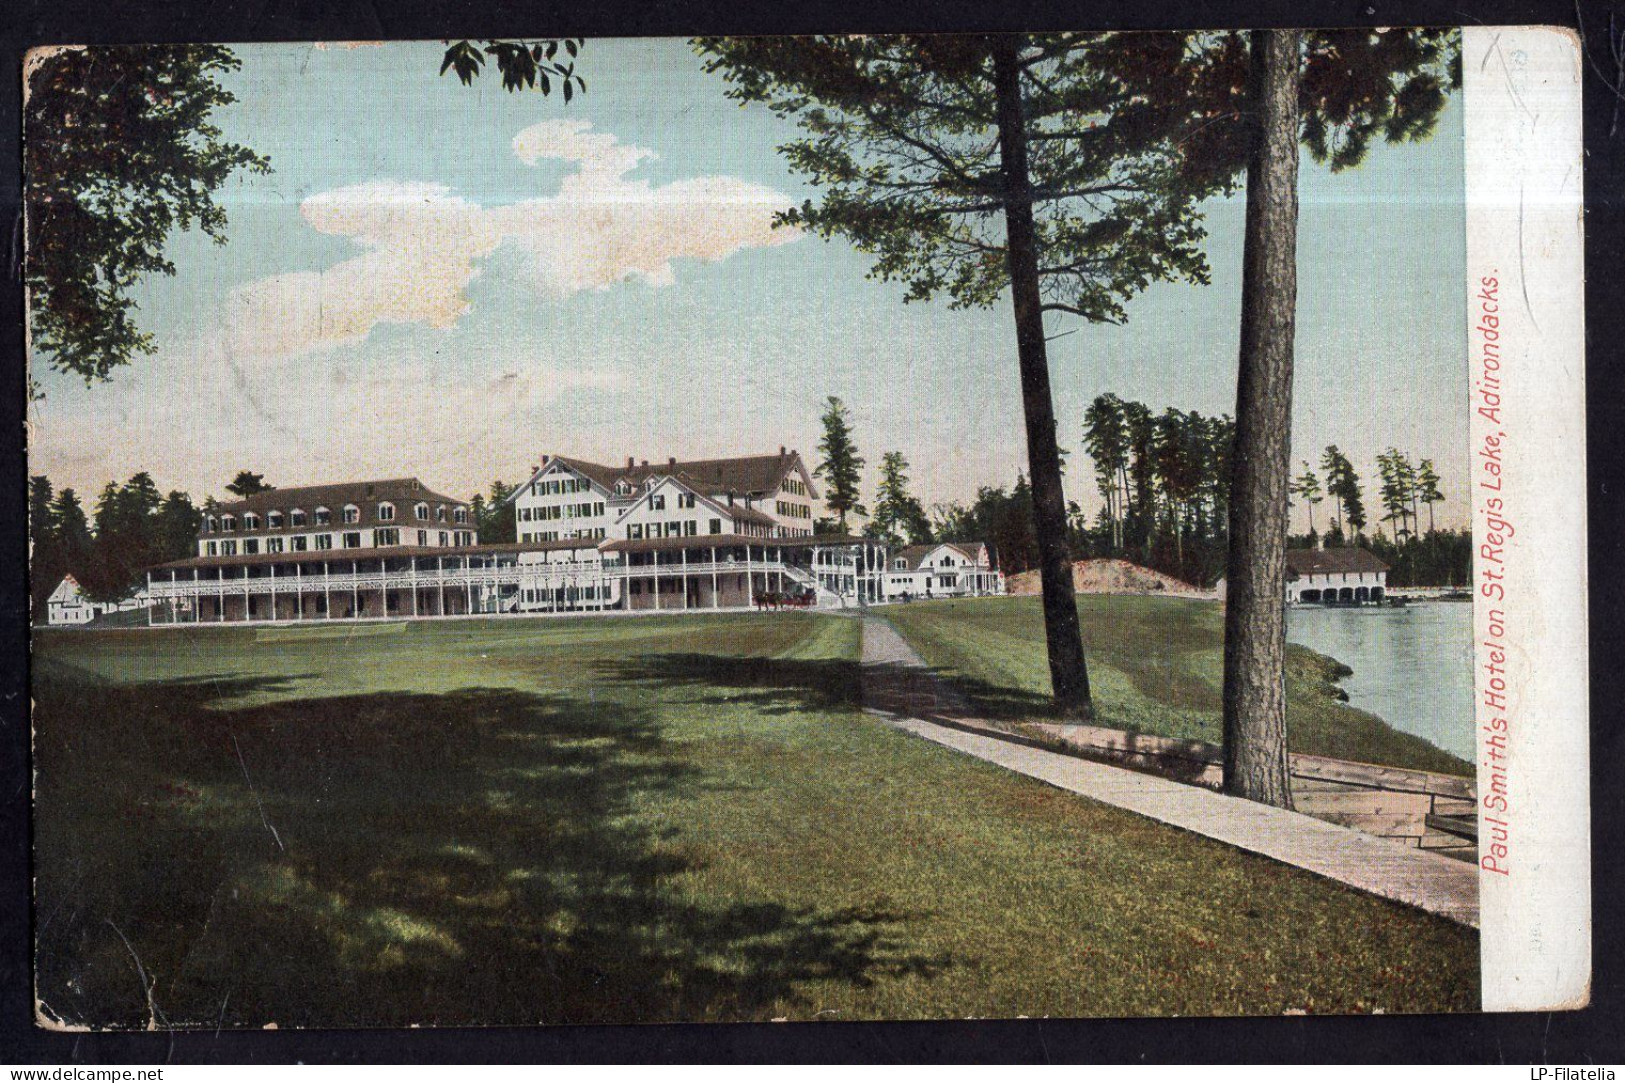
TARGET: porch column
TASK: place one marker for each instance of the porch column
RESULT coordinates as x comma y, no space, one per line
716,600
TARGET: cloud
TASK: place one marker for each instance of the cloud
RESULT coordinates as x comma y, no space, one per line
421,245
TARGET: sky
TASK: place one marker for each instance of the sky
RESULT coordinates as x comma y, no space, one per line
453,282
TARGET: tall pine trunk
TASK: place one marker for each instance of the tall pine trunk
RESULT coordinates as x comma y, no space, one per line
1069,676
1255,750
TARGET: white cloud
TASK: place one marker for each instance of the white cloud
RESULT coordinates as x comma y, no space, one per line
422,245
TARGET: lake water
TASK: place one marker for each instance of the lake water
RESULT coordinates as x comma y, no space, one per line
1413,666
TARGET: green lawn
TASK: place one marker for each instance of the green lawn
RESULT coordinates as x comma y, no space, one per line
621,820
1156,666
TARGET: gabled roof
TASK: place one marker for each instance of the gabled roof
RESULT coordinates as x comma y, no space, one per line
745,475
914,555
1307,562
365,495
664,481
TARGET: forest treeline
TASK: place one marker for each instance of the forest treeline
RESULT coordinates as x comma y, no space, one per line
1162,478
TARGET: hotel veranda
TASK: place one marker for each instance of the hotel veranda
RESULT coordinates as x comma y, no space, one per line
706,534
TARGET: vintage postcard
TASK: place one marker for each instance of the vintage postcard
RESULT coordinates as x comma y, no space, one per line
740,529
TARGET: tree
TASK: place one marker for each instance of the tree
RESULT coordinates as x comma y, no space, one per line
46,565
119,152
841,467
1398,485
898,514
1428,492
1307,486
247,483
175,528
1255,751
1335,91
523,65
72,534
494,522
967,165
1343,486
1105,437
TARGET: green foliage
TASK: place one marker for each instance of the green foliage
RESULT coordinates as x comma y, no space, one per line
1165,482
1307,486
841,467
135,527
523,65
118,152
1001,519
900,133
1343,486
1439,558
1362,84
247,483
899,517
494,522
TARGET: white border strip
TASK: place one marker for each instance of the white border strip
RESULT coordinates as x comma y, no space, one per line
1526,349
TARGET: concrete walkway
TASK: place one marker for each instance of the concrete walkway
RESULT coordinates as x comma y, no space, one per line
898,688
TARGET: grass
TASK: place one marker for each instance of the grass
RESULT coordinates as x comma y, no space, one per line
621,820
1156,666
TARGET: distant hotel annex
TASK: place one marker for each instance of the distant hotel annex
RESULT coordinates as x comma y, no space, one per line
703,534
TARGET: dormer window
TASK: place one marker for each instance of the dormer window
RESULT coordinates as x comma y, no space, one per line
352,514
386,513
273,519
440,514
900,564
214,523
323,517
460,515
251,521
228,522
623,488
421,510
296,517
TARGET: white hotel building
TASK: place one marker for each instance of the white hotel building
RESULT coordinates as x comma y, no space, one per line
704,534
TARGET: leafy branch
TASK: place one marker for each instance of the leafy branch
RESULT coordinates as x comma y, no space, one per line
523,65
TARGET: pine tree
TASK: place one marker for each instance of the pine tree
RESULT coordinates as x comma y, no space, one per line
1307,486
247,483
898,514
841,467
1428,489
968,165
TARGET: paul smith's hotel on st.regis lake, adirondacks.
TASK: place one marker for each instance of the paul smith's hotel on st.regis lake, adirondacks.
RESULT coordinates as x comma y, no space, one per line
704,534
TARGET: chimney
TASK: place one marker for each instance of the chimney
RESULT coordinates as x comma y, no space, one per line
645,462
781,451
630,462
671,461
730,498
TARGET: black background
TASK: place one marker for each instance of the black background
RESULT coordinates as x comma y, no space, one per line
1590,1036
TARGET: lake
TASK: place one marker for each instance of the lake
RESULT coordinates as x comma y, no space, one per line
1413,666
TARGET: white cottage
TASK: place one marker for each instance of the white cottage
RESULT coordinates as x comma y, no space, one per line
942,570
68,604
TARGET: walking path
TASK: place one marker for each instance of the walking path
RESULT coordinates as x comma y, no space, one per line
898,688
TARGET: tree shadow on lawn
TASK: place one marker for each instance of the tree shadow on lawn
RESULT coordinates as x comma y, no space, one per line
477,856
777,686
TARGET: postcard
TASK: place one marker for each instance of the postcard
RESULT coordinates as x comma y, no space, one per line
1081,524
